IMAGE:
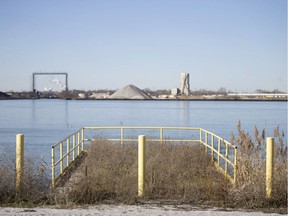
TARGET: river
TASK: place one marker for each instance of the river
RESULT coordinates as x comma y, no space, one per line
45,122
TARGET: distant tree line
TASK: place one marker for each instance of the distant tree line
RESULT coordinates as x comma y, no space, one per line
275,91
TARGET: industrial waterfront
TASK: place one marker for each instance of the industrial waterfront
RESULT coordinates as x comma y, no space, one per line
132,92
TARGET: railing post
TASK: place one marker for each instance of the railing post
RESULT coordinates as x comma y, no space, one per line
269,165
161,135
61,158
141,165
79,142
74,141
122,136
68,152
226,157
235,165
19,164
53,166
212,147
219,151
201,141
83,140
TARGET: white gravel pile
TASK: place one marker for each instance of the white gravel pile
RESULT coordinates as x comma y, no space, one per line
130,92
126,210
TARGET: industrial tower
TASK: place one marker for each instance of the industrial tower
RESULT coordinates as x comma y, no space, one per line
184,85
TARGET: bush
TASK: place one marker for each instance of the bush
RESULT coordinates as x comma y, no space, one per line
7,177
35,187
181,172
250,190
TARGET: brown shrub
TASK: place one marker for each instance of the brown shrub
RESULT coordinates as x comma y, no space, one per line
181,172
250,190
35,185
178,172
7,177
109,172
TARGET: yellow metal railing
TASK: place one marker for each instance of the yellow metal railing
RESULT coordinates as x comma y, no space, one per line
123,136
65,152
223,153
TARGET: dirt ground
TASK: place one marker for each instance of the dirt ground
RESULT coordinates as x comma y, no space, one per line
127,210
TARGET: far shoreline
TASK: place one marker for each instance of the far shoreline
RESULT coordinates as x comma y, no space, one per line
158,99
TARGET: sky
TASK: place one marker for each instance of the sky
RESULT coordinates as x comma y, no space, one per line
240,45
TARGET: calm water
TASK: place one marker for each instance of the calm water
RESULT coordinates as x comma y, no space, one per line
45,122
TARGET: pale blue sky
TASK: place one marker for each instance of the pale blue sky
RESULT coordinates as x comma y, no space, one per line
237,44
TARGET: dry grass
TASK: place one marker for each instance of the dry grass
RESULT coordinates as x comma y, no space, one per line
35,185
175,172
7,177
182,173
250,191
178,173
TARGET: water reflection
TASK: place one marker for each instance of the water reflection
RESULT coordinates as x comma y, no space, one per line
67,121
184,113
45,113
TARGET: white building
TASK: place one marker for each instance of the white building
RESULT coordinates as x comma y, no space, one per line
184,84
175,91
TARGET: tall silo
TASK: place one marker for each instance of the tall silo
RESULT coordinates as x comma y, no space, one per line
185,86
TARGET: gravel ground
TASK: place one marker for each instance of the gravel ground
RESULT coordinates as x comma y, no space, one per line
127,210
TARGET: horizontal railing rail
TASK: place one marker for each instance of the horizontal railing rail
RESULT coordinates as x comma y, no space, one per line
124,136
223,153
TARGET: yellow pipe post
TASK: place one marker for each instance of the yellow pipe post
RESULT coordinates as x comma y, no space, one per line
269,165
141,164
19,163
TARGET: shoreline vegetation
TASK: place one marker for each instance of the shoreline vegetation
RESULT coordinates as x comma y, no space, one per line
179,174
